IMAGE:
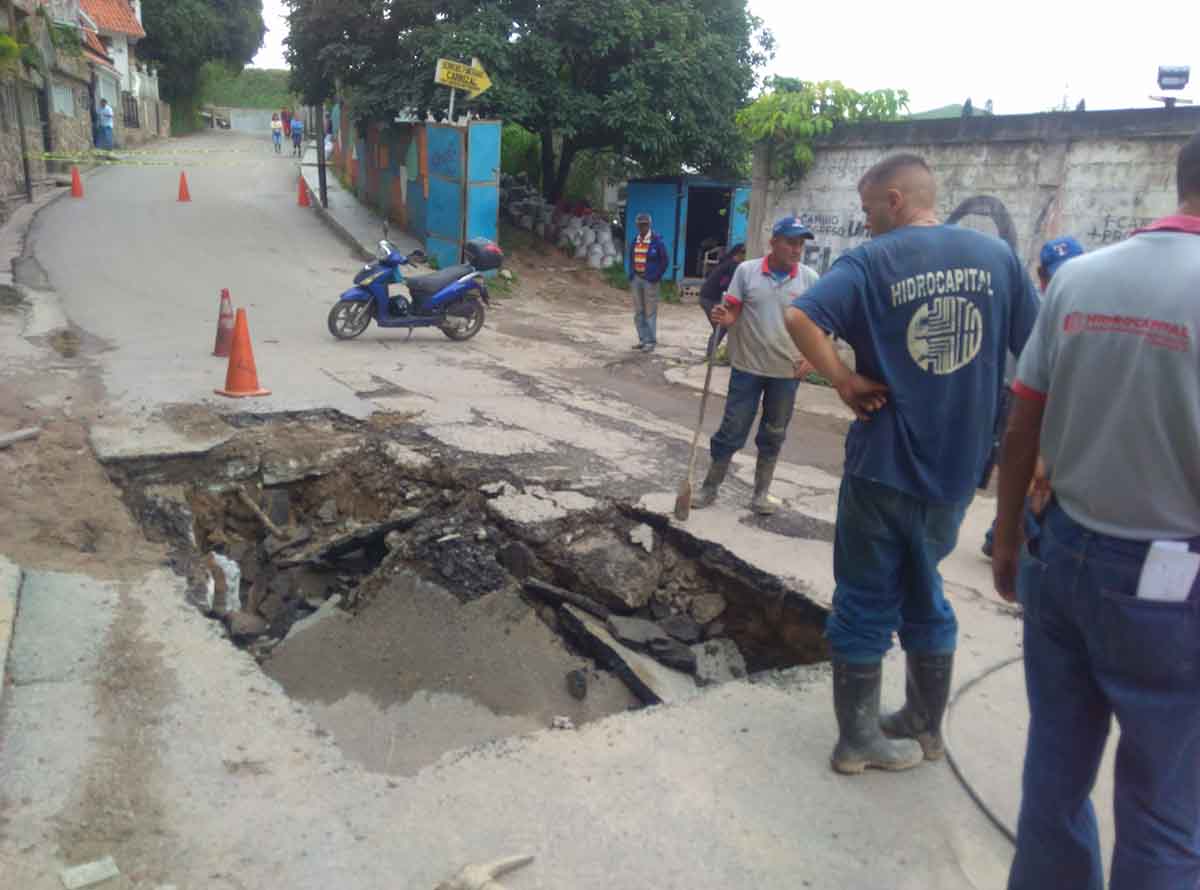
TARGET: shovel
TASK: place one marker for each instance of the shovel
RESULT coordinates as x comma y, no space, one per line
683,500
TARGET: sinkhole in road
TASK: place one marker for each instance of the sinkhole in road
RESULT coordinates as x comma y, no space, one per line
419,601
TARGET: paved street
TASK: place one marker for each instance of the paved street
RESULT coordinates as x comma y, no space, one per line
731,789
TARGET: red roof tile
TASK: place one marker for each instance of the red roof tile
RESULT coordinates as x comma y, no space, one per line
113,15
94,50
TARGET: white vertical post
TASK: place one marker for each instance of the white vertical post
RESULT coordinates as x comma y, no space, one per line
452,92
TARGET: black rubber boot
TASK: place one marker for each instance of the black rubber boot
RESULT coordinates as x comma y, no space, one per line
927,692
861,743
712,484
764,473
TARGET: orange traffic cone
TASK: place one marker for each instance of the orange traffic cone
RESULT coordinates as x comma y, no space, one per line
303,199
184,194
76,183
241,380
224,325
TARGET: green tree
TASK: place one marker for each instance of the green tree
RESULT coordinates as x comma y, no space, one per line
793,113
181,35
654,81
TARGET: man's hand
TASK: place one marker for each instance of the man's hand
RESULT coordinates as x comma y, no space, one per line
862,395
1005,557
724,316
802,367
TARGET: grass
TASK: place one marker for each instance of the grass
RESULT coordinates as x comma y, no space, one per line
616,276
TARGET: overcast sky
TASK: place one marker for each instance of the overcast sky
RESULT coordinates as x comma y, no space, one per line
1024,55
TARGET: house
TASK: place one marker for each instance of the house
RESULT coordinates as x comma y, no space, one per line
117,26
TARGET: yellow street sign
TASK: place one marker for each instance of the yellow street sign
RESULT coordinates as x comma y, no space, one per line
458,76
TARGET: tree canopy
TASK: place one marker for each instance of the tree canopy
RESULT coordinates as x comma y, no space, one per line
181,35
655,81
792,113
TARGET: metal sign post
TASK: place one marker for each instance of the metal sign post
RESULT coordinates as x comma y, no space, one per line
458,76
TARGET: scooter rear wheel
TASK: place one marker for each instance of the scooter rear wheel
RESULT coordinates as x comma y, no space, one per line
349,318
464,319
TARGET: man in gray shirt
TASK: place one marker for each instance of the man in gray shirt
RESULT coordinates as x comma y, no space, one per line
1109,385
766,364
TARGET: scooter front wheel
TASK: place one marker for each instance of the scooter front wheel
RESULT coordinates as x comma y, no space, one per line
464,319
349,318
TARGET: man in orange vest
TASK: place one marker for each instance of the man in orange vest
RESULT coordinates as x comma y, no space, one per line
647,265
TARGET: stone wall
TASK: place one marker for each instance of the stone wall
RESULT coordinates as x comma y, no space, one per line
154,122
70,114
12,175
1027,178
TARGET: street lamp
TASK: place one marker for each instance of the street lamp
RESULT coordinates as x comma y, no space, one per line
1172,77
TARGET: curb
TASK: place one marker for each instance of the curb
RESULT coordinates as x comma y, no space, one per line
10,591
336,227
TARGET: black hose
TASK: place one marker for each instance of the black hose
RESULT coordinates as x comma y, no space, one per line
958,773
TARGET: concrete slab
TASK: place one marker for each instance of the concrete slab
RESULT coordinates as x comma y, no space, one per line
10,591
63,627
117,439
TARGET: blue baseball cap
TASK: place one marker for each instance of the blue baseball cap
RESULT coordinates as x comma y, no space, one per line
791,227
1057,252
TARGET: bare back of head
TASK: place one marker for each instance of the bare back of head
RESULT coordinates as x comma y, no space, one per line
898,191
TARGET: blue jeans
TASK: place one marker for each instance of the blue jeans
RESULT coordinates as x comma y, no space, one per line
105,139
778,398
1094,650
886,551
645,309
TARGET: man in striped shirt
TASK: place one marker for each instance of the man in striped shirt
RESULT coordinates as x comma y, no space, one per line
647,265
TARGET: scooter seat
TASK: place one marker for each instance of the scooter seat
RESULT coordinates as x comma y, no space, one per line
425,286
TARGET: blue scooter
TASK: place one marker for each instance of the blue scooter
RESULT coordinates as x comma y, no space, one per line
451,299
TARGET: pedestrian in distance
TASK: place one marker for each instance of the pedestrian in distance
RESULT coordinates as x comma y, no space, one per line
1053,254
1108,393
298,137
647,265
106,125
716,285
285,117
766,367
277,133
931,311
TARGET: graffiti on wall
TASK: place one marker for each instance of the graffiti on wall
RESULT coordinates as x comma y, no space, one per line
1117,228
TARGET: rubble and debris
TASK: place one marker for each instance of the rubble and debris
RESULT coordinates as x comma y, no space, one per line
682,628
636,632
612,572
708,607
483,877
9,439
718,661
341,545
274,546
244,626
562,723
519,559
259,514
643,536
89,874
329,609
558,596
328,511
577,684
650,681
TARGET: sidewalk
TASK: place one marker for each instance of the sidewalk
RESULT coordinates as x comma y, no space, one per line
358,225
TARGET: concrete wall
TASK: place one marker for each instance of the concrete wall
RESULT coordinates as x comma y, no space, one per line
251,120
12,175
1027,178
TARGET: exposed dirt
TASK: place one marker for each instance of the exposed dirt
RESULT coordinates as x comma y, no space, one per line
60,509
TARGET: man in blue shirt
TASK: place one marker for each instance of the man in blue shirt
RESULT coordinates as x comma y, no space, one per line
931,312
